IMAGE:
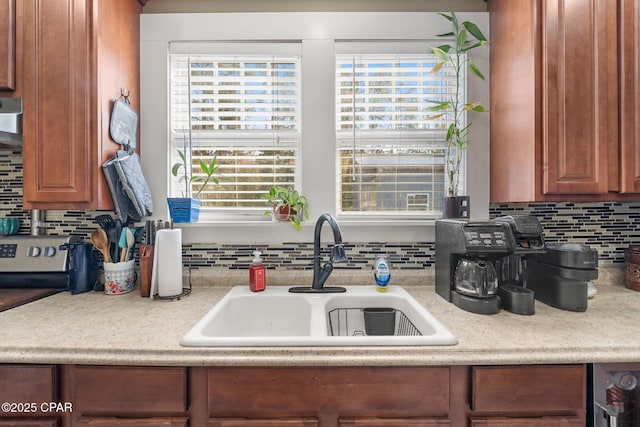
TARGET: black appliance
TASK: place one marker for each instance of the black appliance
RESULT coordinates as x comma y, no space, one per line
466,256
49,263
529,240
559,277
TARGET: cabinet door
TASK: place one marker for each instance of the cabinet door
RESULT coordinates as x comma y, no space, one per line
78,55
59,136
7,44
579,95
629,48
527,422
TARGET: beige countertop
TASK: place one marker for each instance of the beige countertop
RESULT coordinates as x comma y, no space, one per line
94,328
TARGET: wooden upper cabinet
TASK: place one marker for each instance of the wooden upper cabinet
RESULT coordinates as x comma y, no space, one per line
554,100
7,44
577,104
629,63
78,54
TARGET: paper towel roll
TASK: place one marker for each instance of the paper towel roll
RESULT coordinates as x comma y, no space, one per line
168,259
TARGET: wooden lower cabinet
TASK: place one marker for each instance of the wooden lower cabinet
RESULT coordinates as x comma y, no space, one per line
21,422
133,422
481,396
24,388
392,422
106,396
281,422
528,422
335,396
531,396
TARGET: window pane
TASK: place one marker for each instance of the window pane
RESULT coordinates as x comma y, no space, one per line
245,111
390,146
391,179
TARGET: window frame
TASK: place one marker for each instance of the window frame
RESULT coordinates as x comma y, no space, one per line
318,32
243,139
392,52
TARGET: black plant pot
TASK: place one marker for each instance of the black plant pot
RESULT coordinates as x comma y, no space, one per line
456,207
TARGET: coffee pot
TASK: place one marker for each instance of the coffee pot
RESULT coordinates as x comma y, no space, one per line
467,253
476,278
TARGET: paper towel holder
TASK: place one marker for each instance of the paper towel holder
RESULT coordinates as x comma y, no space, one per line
185,292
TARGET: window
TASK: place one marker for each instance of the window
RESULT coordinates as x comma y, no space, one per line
314,39
390,148
244,109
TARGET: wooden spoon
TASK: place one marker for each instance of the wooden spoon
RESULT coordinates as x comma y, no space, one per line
101,242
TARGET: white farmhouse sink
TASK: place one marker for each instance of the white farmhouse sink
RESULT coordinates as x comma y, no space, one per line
276,317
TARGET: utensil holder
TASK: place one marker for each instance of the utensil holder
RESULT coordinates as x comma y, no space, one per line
119,277
379,320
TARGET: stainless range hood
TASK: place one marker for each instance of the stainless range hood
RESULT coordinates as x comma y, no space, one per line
11,122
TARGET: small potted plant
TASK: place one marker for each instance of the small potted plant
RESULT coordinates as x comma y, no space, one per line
287,205
187,209
466,37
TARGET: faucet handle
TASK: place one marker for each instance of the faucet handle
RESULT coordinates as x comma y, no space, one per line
338,254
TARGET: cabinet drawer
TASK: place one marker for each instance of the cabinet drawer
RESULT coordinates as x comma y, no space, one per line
40,422
125,390
23,383
279,422
133,422
391,391
392,422
539,389
527,422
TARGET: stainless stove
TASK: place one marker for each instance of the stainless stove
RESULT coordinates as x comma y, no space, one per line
35,261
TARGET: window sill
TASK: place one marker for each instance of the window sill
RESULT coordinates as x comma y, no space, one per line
264,231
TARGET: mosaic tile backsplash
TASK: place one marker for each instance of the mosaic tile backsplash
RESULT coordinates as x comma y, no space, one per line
609,227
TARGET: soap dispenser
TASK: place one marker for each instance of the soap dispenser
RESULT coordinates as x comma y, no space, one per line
257,274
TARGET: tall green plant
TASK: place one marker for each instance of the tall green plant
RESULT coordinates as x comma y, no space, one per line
466,37
209,170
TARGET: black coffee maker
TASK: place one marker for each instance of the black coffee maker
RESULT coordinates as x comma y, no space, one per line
467,253
515,295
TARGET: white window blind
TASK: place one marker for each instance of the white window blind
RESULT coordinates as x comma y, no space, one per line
243,107
390,148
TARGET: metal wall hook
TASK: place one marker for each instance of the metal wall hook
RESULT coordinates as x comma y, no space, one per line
125,93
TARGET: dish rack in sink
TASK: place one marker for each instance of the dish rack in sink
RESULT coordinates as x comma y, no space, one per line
370,321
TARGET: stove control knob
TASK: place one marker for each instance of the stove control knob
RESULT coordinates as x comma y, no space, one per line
33,251
49,251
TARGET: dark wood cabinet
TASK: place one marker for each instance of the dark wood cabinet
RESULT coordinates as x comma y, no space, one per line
281,422
128,396
521,395
77,56
335,396
41,422
629,105
132,422
7,44
482,396
24,389
555,101
528,422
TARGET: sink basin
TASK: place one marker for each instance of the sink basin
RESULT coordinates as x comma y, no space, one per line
275,317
